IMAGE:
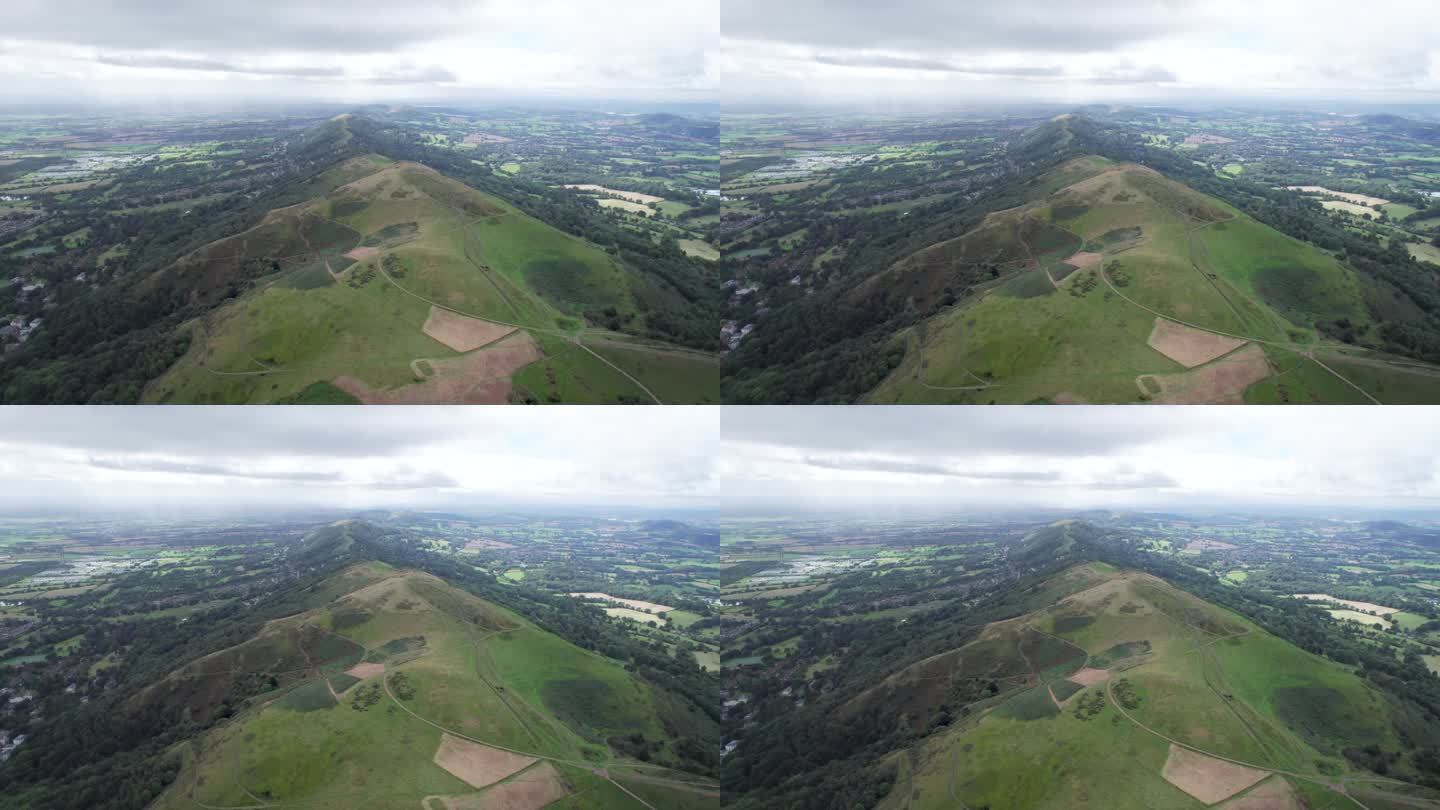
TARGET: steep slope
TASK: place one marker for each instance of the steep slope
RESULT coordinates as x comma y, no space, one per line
1081,278
397,284
400,690
1127,286
1131,693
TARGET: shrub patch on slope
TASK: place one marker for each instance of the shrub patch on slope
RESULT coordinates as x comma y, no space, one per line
308,697
1295,291
1069,624
587,705
1029,284
1032,704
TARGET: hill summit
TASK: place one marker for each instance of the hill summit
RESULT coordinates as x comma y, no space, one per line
394,687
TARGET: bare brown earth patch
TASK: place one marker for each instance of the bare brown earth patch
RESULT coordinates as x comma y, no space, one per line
1205,138
1188,346
460,332
632,196
360,254
1089,676
1222,382
1273,794
1358,199
1206,778
363,671
485,137
475,764
531,790
1084,259
636,604
481,377
488,542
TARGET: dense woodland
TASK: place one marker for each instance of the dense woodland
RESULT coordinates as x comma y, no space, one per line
830,347
816,756
102,344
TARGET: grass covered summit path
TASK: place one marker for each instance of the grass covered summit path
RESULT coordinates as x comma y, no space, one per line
355,276
396,664
1064,293
1137,669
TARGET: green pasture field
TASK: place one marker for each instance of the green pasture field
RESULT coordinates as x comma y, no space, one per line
289,339
1083,342
683,618
449,659
1290,709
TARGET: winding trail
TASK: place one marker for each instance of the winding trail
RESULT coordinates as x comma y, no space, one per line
568,336
1338,786
1321,364
707,789
1306,350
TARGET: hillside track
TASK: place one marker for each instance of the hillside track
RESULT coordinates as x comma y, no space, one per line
701,786
1338,786
1195,252
466,223
567,336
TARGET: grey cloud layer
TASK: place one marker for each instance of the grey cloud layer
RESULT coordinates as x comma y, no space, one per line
1041,50
348,457
360,49
155,465
927,429
310,25
868,457
908,63
923,468
972,24
211,65
224,431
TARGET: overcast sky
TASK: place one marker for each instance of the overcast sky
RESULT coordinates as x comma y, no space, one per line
1102,50
1078,457
442,457
358,50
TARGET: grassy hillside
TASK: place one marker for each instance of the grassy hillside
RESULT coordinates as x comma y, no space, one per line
402,285
1132,694
1073,296
400,690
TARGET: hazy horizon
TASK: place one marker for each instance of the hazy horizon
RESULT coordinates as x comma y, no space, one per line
1237,458
1110,51
354,52
98,459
